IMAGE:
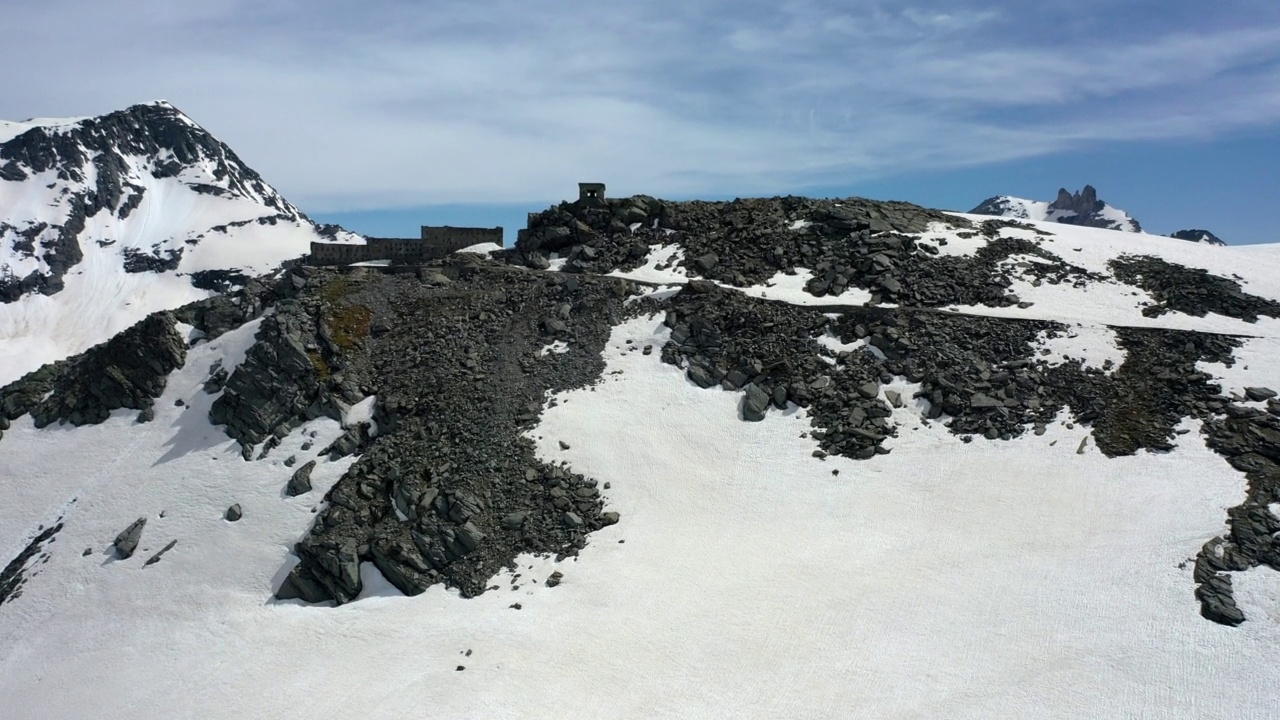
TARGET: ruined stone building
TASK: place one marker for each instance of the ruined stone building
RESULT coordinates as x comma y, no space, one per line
435,243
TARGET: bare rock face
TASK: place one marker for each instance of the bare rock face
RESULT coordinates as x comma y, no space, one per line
128,371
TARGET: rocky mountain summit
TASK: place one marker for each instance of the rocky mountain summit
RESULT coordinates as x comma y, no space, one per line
448,490
1081,208
141,208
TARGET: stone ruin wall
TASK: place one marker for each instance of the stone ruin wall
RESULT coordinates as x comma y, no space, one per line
435,243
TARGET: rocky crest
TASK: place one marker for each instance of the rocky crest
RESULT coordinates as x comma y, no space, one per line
844,244
1081,208
447,489
1198,236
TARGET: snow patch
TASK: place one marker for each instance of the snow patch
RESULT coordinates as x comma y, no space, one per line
482,248
1096,346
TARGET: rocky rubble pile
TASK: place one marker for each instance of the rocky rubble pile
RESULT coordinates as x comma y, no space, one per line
449,490
852,243
1249,437
1190,290
979,375
982,377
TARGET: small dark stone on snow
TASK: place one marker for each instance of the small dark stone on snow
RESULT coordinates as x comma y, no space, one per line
516,606
564,445
87,552
754,403
156,558
234,513
555,578
300,481
127,541
1258,394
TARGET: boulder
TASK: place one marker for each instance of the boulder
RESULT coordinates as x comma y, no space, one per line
754,403
127,541
300,481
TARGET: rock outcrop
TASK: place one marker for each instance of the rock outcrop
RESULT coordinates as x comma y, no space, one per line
448,490
128,371
1080,208
1197,235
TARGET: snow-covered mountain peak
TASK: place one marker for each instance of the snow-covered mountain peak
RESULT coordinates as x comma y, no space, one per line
1081,208
117,216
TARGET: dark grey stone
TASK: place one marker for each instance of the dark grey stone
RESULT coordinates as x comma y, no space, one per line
127,541
754,403
300,482
1258,394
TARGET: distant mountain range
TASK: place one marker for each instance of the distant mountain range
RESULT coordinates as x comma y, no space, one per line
1080,208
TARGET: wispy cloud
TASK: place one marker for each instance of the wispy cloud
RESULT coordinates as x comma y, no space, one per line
396,102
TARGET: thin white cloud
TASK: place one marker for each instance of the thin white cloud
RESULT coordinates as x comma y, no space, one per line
391,102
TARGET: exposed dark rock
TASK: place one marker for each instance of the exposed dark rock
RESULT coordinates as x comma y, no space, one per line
14,575
447,490
1190,290
234,513
1258,394
300,481
127,541
156,261
1198,236
156,558
128,371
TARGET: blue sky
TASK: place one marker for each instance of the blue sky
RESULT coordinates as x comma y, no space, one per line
388,113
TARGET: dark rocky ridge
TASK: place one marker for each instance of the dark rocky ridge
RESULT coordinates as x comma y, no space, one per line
16,573
446,490
131,369
1199,236
1190,290
850,243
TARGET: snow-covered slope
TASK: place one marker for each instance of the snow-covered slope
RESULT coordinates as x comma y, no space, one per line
749,576
104,220
1081,208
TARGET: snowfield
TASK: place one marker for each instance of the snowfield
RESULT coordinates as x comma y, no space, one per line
747,578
